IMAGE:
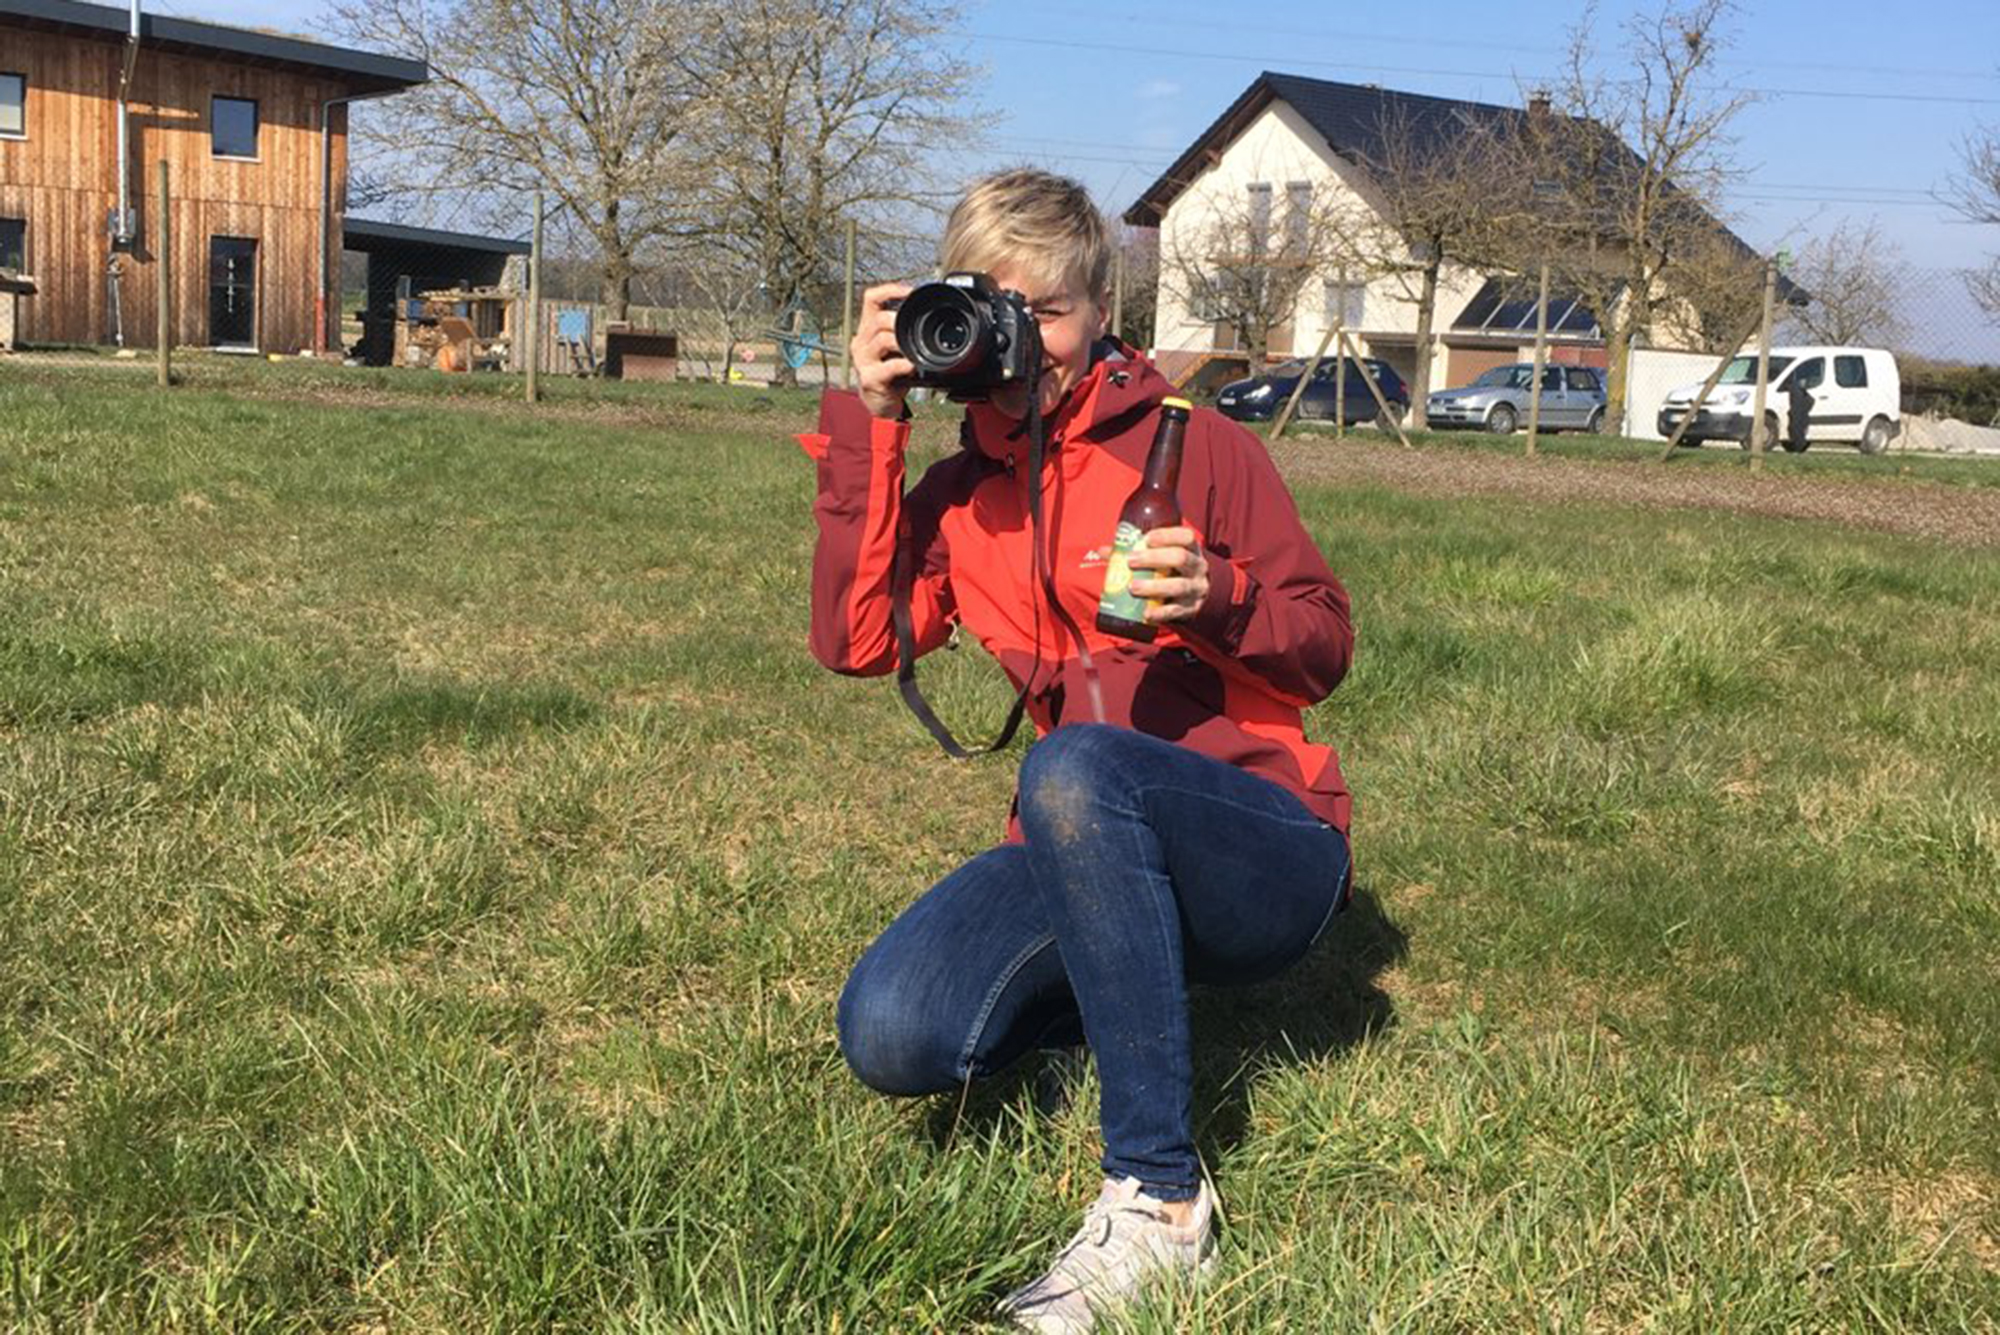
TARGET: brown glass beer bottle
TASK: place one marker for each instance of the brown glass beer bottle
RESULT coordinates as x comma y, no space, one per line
1153,505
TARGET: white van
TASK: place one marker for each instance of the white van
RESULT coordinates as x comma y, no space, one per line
1856,394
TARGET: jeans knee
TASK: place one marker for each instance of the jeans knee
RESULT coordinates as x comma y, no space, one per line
889,1041
1063,776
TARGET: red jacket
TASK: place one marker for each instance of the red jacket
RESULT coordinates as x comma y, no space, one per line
1272,636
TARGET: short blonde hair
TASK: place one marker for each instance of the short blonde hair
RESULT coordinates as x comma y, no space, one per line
1044,224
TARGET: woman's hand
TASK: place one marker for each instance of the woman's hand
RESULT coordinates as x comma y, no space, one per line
1182,581
880,371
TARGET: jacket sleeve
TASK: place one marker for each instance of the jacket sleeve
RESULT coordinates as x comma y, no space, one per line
862,518
1274,611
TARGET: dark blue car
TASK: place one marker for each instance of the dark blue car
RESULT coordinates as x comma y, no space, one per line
1262,397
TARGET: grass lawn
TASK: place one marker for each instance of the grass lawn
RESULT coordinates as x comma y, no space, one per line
429,858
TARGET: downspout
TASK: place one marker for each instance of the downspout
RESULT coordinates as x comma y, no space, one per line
326,204
121,224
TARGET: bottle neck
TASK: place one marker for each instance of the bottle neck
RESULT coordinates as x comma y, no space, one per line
1163,461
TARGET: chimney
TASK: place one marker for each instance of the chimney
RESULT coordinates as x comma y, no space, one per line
1538,104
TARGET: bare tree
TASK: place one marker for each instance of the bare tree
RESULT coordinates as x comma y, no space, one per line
1238,261
1640,160
1439,195
834,111
587,99
1139,248
1854,277
1976,196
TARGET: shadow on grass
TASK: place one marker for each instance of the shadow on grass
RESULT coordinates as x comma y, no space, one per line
1321,1007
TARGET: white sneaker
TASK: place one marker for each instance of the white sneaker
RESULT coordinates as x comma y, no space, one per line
1125,1243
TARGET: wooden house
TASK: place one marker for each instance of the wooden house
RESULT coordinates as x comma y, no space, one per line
253,129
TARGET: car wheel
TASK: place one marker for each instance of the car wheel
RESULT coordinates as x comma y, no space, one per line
1595,426
1501,420
1770,433
1875,438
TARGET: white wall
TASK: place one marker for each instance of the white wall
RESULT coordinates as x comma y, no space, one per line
1656,373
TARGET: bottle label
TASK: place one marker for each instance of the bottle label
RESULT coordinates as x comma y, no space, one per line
1118,600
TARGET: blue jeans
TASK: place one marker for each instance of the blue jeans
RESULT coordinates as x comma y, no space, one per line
1146,866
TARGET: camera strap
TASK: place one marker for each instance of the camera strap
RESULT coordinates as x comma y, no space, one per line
902,579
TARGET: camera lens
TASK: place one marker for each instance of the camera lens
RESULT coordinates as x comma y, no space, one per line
942,330
949,332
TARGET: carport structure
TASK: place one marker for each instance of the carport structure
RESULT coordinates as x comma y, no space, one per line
404,261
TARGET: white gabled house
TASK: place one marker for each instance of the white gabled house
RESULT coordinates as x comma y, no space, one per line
1288,141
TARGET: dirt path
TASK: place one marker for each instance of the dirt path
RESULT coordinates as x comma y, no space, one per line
1967,516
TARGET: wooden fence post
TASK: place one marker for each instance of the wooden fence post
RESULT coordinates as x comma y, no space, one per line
532,319
163,260
1757,442
1542,360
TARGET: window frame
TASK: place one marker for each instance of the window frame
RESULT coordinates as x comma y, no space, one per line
21,133
23,224
1352,294
256,153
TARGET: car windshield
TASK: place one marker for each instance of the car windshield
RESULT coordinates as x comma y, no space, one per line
1505,377
1743,370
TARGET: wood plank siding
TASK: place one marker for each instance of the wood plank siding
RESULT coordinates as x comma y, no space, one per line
62,179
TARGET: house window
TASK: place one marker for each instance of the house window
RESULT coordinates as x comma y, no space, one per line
1260,217
1346,301
1850,373
14,244
1298,216
232,125
13,106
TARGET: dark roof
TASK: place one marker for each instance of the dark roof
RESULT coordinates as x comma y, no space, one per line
1354,118
362,235
362,71
1351,117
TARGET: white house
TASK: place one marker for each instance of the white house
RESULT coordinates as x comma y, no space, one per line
1288,142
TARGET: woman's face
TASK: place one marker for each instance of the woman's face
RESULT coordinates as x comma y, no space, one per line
1070,322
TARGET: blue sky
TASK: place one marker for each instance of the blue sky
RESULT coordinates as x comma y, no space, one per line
1864,111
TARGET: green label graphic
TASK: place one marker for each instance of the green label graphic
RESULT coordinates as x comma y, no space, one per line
1118,600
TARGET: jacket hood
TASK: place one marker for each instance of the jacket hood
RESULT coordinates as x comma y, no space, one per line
1119,384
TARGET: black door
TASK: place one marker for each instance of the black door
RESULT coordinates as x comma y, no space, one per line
232,292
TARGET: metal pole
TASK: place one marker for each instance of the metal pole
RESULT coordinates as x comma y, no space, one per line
163,260
1763,371
533,320
847,316
1541,359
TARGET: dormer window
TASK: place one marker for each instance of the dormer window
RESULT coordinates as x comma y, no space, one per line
232,127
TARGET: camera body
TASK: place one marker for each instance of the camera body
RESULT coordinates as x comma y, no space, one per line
968,336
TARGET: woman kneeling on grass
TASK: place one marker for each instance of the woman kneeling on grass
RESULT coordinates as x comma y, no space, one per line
1192,835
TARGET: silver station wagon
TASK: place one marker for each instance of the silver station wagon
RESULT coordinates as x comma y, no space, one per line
1572,400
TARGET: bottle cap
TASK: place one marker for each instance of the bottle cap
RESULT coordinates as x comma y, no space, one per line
1181,404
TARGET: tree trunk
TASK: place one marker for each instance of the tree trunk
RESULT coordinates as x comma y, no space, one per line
1618,365
1420,373
1256,344
615,291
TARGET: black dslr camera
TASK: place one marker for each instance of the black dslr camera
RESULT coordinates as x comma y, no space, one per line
968,337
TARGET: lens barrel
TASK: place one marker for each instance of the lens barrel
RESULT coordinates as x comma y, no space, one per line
943,330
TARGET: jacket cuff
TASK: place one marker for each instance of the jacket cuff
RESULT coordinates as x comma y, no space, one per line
842,416
1224,613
